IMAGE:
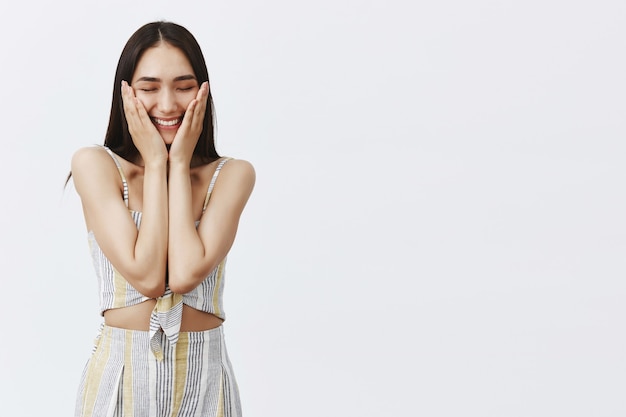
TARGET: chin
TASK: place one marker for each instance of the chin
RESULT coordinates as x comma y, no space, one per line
168,139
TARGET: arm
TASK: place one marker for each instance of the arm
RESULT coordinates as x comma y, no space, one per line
194,253
139,255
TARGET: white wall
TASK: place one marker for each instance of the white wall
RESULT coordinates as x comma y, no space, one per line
438,226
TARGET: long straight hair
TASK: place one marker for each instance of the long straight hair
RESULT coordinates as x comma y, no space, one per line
118,137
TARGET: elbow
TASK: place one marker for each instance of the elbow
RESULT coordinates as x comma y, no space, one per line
185,280
145,277
182,284
152,289
150,283
179,287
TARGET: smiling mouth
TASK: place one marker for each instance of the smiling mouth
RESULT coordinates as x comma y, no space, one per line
166,123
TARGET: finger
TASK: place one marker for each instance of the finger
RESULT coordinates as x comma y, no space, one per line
130,108
129,100
136,114
137,105
202,96
142,113
200,109
189,116
125,99
138,110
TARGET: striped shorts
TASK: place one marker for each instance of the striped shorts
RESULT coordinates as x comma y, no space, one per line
123,378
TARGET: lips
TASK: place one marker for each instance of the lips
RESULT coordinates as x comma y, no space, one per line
166,122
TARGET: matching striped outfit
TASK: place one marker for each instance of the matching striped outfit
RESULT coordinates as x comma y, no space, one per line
162,372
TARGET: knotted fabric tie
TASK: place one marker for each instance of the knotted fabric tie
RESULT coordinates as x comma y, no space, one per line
165,318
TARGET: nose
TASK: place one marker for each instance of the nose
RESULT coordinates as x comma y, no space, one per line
167,101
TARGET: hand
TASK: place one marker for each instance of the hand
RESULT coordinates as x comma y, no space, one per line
143,132
189,132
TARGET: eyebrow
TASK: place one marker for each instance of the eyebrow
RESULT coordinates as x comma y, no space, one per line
158,80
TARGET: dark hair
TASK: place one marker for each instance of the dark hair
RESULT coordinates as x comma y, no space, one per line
117,136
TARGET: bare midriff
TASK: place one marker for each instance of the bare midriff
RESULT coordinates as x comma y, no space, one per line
137,317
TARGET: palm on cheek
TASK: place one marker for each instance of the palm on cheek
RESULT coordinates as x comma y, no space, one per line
187,135
143,132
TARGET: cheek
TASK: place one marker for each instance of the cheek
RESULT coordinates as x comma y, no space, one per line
147,100
185,99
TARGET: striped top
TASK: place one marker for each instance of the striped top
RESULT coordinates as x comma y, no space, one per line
116,292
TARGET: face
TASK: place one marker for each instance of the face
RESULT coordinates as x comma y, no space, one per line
165,83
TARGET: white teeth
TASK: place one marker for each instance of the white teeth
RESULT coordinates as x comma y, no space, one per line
166,122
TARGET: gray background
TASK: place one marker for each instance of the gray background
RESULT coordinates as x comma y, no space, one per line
438,224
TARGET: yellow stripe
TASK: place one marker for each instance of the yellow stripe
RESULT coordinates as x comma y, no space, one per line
94,373
220,399
128,374
119,283
216,290
180,371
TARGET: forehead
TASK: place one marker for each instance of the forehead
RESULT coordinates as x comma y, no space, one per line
163,61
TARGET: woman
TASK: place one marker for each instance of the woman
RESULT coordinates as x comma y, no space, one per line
161,209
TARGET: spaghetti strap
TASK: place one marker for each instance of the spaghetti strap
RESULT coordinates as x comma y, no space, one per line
212,184
119,168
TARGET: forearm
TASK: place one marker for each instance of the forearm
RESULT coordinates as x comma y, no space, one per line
186,250
151,246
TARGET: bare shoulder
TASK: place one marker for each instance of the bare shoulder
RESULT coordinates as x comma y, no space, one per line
240,167
237,174
89,158
93,167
